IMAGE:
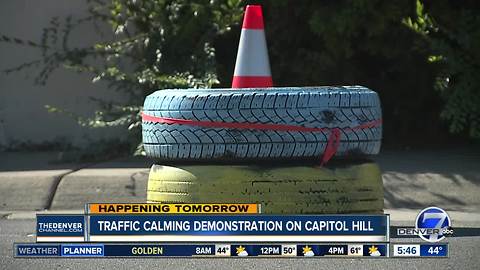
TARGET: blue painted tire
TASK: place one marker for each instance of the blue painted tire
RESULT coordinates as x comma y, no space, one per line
318,107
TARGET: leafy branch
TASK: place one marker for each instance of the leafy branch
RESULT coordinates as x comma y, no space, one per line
453,49
154,45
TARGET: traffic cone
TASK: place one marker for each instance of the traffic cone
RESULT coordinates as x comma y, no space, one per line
252,68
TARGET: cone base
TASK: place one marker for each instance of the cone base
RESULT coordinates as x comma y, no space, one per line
252,81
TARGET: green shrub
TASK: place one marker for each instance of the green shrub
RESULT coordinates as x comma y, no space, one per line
452,33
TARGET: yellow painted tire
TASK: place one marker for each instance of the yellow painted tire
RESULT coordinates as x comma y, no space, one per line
294,189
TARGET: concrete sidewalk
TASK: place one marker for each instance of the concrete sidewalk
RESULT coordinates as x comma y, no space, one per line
31,182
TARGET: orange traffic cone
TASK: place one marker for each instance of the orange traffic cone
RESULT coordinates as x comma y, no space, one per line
252,68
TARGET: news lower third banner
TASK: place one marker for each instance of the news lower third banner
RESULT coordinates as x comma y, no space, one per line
212,228
238,228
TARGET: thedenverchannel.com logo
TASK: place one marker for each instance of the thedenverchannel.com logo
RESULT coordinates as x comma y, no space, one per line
432,225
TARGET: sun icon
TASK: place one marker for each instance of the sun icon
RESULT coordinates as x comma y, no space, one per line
372,249
374,252
240,249
306,249
308,252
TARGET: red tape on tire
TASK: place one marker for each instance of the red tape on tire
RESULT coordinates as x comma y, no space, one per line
332,144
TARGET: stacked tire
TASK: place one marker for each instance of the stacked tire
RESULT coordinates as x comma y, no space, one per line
244,145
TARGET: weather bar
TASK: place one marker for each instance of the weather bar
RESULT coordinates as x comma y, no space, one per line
199,250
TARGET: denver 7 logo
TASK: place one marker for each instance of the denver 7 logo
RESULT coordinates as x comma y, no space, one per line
433,223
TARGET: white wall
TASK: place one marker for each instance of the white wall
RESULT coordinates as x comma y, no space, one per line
22,114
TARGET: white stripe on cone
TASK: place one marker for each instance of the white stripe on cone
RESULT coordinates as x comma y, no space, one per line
252,56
